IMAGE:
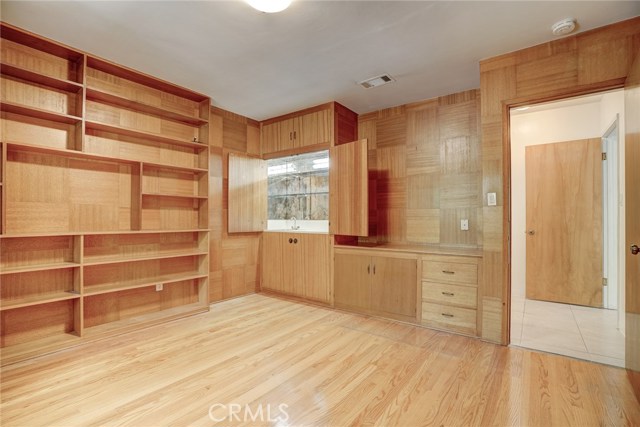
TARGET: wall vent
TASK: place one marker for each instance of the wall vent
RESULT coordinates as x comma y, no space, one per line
376,81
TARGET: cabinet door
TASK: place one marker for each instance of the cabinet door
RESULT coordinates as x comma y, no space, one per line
288,133
272,262
348,189
351,281
315,128
293,277
315,254
270,135
394,285
247,194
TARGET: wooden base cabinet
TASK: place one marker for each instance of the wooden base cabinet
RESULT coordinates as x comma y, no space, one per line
296,264
384,283
450,293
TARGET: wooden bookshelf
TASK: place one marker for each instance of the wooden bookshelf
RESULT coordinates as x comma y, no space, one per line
103,198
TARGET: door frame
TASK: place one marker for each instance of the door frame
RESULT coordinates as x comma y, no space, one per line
507,105
611,168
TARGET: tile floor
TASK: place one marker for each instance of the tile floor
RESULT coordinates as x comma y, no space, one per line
574,331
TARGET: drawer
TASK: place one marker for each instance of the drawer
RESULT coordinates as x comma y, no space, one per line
450,272
450,318
464,296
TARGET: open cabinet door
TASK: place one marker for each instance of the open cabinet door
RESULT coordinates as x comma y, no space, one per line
632,225
349,189
247,197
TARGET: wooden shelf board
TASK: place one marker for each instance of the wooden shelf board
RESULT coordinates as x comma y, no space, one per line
65,152
175,196
144,79
39,113
37,300
118,260
19,352
39,267
150,165
143,135
20,36
99,233
41,79
135,284
107,98
138,322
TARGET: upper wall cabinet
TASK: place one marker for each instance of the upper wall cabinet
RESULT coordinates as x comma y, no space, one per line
312,129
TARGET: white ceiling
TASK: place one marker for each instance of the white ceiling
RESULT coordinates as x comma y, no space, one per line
262,65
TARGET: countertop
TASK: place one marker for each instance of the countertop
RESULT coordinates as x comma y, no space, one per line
419,249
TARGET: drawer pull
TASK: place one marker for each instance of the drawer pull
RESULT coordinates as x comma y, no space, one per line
449,294
448,272
447,314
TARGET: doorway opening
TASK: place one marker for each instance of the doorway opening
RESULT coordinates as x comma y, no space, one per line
567,292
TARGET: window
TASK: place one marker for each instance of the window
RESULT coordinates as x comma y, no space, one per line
298,187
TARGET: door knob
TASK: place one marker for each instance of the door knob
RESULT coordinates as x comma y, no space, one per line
530,232
635,250
290,240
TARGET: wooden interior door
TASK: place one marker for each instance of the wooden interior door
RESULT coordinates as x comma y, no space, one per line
564,222
394,285
632,227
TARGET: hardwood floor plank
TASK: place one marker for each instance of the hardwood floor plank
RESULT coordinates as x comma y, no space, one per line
330,367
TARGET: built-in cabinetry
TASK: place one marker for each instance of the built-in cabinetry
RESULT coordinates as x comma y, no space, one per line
450,293
104,197
297,264
429,285
378,282
312,129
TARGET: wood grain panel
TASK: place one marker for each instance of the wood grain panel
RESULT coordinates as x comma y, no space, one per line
39,132
351,281
272,274
247,194
450,318
456,295
36,322
391,129
316,250
348,184
394,285
235,135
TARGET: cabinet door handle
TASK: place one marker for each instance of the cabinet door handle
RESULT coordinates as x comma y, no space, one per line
374,269
295,241
449,294
368,269
448,272
290,240
447,314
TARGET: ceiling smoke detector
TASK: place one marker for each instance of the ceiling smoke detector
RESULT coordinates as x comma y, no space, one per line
563,27
376,81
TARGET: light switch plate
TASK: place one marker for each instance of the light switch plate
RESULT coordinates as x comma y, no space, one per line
491,199
464,224
159,287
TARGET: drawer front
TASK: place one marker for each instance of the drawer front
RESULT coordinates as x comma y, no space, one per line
451,318
450,272
464,296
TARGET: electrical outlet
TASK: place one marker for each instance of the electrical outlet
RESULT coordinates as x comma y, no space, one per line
491,199
159,287
464,224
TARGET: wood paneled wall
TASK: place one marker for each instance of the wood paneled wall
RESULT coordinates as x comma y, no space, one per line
425,171
584,63
234,266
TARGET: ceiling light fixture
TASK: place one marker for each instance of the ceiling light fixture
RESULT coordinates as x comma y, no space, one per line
563,27
269,6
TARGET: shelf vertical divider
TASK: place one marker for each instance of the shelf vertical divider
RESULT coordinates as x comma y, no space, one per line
78,285
3,189
136,196
81,67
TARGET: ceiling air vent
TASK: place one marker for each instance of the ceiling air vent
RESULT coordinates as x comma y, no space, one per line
376,81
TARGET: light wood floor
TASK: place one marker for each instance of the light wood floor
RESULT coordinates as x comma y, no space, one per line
330,368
